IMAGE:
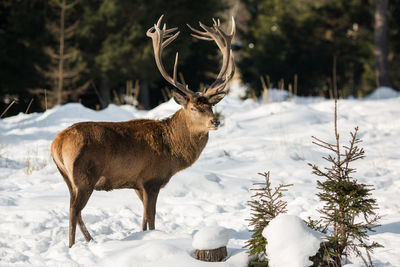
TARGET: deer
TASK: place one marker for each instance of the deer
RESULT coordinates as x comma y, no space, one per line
143,154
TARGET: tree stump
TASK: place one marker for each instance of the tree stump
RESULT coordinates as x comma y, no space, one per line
218,254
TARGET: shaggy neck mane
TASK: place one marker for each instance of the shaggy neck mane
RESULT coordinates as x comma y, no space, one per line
185,143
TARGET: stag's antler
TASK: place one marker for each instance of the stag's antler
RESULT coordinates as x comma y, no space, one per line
213,33
158,35
223,41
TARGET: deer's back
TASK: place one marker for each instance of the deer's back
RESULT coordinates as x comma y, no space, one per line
118,154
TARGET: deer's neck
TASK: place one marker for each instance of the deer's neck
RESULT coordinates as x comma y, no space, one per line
186,144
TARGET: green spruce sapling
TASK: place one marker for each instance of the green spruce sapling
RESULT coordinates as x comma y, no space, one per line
265,205
349,211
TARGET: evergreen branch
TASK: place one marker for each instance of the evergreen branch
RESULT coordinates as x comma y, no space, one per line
329,147
51,53
70,30
344,201
322,142
71,5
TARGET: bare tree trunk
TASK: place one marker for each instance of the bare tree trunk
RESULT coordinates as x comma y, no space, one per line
380,40
104,93
61,62
145,95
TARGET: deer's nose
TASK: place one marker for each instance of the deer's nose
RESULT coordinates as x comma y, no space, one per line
215,122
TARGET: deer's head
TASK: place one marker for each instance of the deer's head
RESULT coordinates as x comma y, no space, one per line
197,106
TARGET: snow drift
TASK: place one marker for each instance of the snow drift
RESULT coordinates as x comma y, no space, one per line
34,200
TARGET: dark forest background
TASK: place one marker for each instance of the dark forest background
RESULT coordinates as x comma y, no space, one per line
96,52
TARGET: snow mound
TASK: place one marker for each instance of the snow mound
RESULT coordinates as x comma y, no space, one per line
383,93
210,237
290,242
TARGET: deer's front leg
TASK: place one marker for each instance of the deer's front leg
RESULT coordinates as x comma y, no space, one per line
149,204
144,220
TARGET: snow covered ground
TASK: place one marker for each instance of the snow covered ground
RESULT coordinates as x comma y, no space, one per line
255,137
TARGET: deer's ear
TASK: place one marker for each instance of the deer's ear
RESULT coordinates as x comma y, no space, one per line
179,99
214,99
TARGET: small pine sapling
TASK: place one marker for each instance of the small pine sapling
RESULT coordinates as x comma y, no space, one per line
349,211
265,205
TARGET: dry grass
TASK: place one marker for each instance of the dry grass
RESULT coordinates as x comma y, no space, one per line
34,163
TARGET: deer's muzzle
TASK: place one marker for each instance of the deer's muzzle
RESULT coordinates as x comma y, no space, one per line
215,124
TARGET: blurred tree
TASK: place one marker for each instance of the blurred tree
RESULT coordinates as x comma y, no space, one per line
113,39
280,39
112,43
394,43
22,36
284,38
63,71
380,41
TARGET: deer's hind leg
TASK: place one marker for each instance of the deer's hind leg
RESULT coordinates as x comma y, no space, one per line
83,228
77,202
80,194
78,218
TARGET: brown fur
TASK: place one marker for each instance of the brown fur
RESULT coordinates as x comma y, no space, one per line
141,154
